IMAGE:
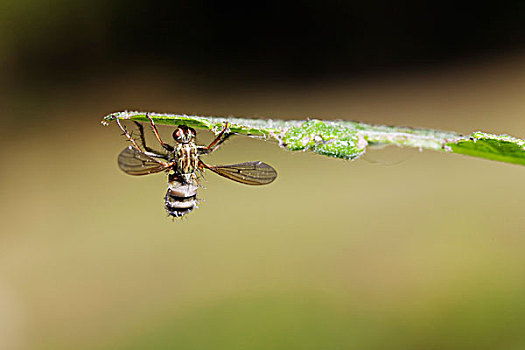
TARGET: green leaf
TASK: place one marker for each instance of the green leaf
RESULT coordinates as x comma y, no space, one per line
345,139
324,138
504,148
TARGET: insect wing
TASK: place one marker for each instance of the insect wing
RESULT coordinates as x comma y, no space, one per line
134,162
250,173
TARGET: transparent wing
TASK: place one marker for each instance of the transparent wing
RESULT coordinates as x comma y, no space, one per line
250,173
134,162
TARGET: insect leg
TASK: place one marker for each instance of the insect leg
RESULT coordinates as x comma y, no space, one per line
128,135
194,176
156,132
150,151
217,142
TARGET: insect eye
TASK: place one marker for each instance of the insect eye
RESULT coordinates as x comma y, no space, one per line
177,134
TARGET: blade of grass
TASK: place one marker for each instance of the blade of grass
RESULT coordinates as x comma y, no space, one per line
346,139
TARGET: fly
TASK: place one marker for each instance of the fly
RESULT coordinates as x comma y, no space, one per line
182,163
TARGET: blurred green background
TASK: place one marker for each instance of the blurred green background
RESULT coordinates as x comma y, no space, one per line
400,250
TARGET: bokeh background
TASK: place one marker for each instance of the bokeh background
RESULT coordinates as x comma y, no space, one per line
400,250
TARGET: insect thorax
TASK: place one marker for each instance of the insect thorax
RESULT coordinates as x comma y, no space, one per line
187,160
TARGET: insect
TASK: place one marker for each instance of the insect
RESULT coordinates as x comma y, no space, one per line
182,163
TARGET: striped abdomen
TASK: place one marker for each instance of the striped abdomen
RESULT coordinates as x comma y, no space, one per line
181,197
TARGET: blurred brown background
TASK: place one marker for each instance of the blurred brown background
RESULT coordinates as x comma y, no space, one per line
401,250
